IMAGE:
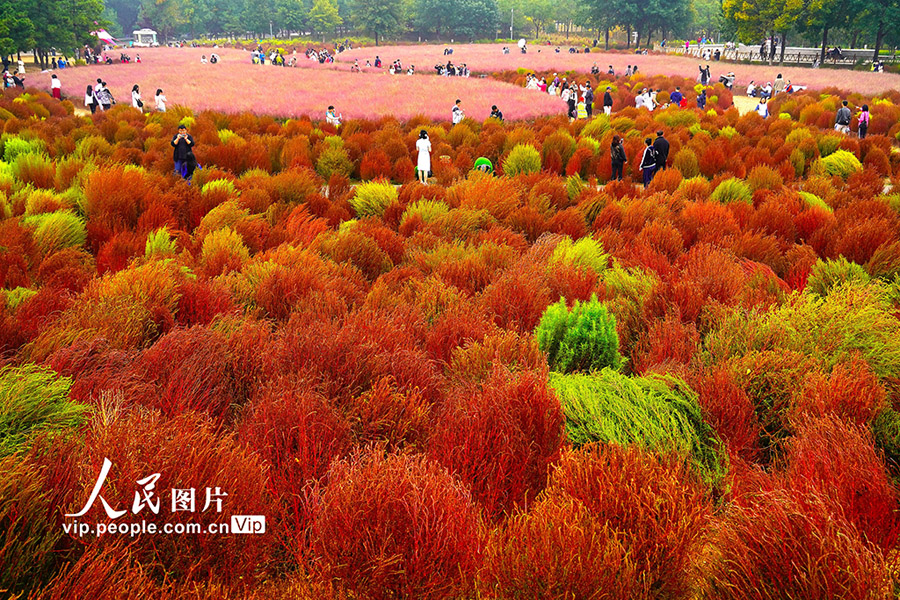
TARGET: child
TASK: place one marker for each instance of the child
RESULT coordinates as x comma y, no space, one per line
332,118
762,109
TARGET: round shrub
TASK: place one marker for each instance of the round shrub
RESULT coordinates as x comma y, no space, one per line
394,526
372,198
523,158
841,163
57,231
828,273
500,437
732,190
581,339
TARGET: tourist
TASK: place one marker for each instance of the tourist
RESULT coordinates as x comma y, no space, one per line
543,85
617,156
648,162
332,118
766,91
183,154
589,100
581,109
779,85
751,90
864,122
160,101
639,99
136,101
650,102
676,97
105,96
89,100
571,103
661,148
457,113
137,58
628,71
704,76
423,165
842,119
611,71
21,65
496,113
595,70
203,60
726,80
607,101
55,87
762,109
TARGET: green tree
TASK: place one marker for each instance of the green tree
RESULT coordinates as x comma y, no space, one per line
883,17
381,18
61,25
324,17
539,14
16,29
463,18
162,15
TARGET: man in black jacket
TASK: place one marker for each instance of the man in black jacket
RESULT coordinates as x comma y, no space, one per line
589,99
183,155
607,101
661,147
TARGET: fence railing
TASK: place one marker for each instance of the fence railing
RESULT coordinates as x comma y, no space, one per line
792,55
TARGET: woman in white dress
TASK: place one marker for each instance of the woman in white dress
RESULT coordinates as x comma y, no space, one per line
160,101
423,145
136,98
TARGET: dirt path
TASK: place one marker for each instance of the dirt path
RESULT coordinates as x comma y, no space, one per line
745,104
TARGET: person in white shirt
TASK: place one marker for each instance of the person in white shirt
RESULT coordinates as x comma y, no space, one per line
457,112
98,87
639,99
21,67
332,118
160,101
566,93
55,87
203,60
423,165
762,109
89,100
751,89
136,101
411,70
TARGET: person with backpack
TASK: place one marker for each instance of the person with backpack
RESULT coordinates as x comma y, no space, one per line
648,162
618,158
607,101
864,122
136,101
842,119
661,148
183,153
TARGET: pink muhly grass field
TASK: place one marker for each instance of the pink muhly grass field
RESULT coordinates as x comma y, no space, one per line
488,58
234,84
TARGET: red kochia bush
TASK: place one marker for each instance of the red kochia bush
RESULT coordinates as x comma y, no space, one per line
395,526
838,462
643,504
728,409
298,434
189,369
500,438
774,544
186,453
851,392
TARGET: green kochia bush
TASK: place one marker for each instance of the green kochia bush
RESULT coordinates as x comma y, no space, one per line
57,230
581,339
586,253
827,274
522,159
854,317
732,190
372,198
840,163
658,412
33,399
